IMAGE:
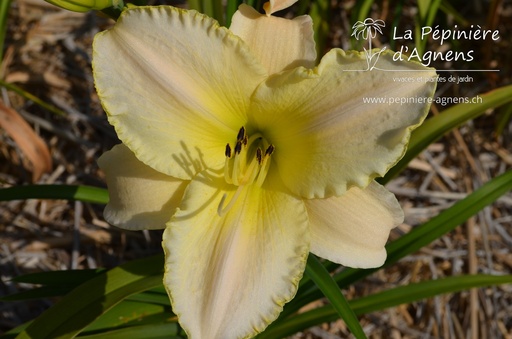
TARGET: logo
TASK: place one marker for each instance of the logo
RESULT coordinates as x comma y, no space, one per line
368,29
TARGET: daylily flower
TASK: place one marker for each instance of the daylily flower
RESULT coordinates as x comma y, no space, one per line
248,155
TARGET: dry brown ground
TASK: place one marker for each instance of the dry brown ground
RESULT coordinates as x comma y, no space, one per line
49,54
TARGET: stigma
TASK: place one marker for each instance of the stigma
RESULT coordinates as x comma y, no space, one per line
247,160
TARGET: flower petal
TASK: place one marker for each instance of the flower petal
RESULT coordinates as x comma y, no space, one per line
352,229
278,43
229,277
175,85
140,197
273,6
326,137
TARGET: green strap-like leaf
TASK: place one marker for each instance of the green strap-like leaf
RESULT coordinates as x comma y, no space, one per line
67,192
435,127
38,293
30,96
153,331
4,12
125,314
330,289
59,278
375,302
320,12
93,298
54,283
231,8
153,298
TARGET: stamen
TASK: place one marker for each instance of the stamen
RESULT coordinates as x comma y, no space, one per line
248,161
236,169
221,210
238,147
228,151
270,149
227,171
258,155
262,174
241,134
251,173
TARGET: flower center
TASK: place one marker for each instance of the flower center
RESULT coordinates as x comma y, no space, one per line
247,162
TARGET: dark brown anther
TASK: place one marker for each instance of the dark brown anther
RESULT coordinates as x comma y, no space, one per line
259,155
228,151
241,134
270,149
238,147
245,141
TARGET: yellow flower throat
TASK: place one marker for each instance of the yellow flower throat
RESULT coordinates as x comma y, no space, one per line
246,163
249,160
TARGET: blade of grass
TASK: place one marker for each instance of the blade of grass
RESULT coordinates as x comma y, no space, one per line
432,13
320,13
363,9
397,16
123,314
427,10
67,192
32,98
93,298
504,119
231,8
379,301
55,283
149,297
447,8
435,127
196,4
303,6
38,293
207,6
59,278
317,272
4,12
152,331
218,11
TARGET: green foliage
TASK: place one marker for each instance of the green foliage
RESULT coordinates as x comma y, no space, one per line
427,10
434,128
382,300
53,284
320,13
69,192
329,288
94,298
4,11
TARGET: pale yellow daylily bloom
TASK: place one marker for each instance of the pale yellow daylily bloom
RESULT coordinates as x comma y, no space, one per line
248,155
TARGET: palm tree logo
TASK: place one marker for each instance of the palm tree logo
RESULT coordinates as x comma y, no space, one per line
367,30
